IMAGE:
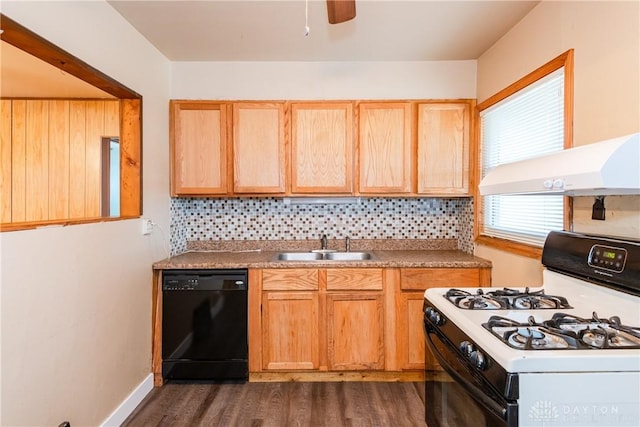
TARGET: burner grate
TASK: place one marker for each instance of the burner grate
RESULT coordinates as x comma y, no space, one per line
564,331
505,299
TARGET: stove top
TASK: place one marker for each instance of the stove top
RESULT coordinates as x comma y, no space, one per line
565,332
505,299
581,319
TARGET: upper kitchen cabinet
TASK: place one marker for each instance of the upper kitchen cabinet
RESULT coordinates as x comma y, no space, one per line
198,133
443,134
384,147
259,149
322,148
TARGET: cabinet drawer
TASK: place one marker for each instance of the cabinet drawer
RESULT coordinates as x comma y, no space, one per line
354,279
289,279
421,279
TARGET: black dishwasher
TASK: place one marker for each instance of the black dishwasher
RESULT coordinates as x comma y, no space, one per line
204,325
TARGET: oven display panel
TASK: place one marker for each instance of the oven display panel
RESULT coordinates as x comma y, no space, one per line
608,258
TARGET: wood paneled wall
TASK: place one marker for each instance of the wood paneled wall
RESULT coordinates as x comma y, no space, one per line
50,157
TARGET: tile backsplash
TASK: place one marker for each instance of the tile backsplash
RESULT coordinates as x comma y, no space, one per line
272,219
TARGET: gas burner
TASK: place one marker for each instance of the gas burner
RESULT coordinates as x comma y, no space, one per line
528,336
477,301
597,332
564,331
505,299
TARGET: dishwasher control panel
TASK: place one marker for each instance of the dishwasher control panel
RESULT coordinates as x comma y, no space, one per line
204,280
180,284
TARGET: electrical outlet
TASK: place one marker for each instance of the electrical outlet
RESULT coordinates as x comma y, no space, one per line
147,226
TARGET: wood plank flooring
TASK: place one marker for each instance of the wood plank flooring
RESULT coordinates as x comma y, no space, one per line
279,404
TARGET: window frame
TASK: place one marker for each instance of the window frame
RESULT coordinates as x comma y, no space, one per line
564,60
130,121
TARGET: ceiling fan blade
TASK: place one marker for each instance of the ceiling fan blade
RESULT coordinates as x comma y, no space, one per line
341,10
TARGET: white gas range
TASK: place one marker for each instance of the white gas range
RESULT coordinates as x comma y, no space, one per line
564,354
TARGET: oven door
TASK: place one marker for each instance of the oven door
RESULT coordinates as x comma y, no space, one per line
458,397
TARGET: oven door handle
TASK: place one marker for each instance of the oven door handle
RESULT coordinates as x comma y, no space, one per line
474,391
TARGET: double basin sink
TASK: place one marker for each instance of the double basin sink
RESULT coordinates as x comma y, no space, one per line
324,256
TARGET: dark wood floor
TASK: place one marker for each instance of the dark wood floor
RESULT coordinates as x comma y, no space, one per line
281,404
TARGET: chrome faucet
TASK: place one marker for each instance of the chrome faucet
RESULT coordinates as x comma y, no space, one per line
347,244
323,242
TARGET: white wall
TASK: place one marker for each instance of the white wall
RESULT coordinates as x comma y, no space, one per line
323,80
605,37
76,300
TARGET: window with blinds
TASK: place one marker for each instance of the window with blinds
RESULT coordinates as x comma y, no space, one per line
528,123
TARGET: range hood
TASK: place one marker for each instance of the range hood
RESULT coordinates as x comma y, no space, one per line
610,167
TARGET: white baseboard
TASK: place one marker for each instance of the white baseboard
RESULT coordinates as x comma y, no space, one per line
128,405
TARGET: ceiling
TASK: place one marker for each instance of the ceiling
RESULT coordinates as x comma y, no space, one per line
269,30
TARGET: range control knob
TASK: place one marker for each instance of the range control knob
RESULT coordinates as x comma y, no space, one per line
466,348
434,316
478,360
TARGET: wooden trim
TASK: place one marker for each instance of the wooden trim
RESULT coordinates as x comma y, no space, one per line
105,177
485,277
546,69
30,42
156,327
255,319
515,248
391,278
409,376
565,60
131,158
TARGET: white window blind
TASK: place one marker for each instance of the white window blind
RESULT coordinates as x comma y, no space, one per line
526,124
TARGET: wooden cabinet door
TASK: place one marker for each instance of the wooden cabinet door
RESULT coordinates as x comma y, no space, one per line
384,146
355,331
290,319
410,333
198,133
355,319
322,148
443,148
409,301
258,148
290,331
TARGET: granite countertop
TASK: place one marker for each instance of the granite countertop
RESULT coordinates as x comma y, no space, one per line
441,253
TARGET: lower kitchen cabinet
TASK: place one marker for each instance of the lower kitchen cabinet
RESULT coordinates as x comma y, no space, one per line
411,340
290,328
355,319
290,320
348,319
412,283
355,329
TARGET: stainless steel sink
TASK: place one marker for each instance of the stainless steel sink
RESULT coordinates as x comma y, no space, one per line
300,256
348,256
324,256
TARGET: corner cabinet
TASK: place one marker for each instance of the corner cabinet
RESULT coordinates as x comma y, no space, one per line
411,284
384,147
199,145
322,148
443,159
